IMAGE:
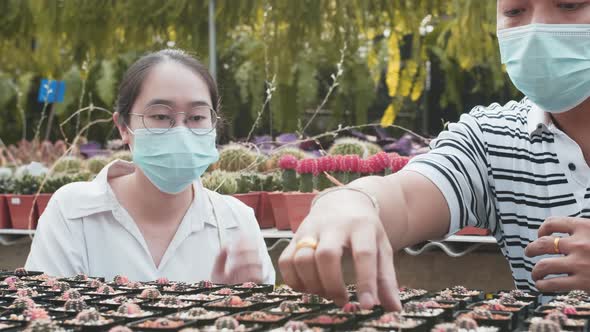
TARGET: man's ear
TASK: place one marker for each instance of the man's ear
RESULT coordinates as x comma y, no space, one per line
123,130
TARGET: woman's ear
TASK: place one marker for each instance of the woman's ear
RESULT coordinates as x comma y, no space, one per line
123,130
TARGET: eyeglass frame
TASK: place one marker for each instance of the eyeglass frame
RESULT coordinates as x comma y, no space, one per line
173,121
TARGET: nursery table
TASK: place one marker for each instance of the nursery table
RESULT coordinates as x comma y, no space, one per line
453,246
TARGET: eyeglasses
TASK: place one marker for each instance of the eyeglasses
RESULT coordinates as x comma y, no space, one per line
159,119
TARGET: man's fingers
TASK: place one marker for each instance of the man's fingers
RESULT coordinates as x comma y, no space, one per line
328,258
388,289
559,284
547,266
306,270
364,254
542,246
287,267
557,225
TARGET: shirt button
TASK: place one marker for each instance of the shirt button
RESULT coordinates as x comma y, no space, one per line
572,167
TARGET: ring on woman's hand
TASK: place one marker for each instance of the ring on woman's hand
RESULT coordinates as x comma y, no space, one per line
306,242
556,245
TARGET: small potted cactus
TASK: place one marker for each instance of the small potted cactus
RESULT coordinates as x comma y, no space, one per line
235,157
298,204
248,192
327,165
21,202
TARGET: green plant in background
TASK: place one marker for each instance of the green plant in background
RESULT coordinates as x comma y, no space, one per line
26,185
56,181
278,153
272,182
96,164
372,148
220,181
236,157
288,164
249,182
6,185
68,164
122,155
349,145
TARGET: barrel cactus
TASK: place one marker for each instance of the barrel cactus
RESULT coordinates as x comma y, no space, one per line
129,308
308,171
150,293
445,327
227,323
105,290
289,306
558,317
27,291
544,325
277,154
223,182
197,312
169,300
349,145
205,284
71,294
95,164
43,325
295,326
36,313
23,303
68,164
466,323
372,148
61,286
75,305
80,277
120,280
88,316
236,157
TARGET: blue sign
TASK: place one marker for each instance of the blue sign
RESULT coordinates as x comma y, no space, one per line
51,91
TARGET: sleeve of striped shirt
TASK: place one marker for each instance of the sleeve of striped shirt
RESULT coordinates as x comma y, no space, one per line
457,164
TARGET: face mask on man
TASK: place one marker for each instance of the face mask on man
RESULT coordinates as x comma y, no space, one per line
175,159
549,63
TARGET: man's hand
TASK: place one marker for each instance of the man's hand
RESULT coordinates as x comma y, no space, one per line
338,226
238,264
575,248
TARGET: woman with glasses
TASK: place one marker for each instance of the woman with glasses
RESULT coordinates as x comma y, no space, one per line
152,218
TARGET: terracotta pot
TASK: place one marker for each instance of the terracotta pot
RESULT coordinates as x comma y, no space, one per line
250,199
279,210
4,214
42,201
470,230
20,207
265,217
298,206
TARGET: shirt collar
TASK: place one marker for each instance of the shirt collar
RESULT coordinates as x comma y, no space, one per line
537,120
95,198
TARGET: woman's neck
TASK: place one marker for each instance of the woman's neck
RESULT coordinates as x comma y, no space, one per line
576,124
154,204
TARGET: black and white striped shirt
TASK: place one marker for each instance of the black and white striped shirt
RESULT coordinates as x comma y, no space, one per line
508,168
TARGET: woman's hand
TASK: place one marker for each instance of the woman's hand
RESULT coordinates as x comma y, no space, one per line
343,221
239,263
575,248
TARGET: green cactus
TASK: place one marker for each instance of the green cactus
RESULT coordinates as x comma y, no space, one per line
277,154
306,183
95,164
67,164
223,182
349,145
248,182
289,179
228,323
53,183
235,157
26,185
122,155
6,185
88,316
75,305
272,182
372,148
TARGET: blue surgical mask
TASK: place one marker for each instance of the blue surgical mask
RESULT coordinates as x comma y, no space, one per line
549,63
174,160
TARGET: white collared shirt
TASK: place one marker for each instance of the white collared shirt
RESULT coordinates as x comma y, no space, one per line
85,230
508,168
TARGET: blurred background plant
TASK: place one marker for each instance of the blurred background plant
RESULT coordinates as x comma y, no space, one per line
415,63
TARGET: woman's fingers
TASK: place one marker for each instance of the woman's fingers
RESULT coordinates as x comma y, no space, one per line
386,280
328,257
364,253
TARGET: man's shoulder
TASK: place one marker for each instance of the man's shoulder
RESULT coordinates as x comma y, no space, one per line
513,114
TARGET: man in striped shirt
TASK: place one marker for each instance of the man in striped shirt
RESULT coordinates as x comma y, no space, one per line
521,170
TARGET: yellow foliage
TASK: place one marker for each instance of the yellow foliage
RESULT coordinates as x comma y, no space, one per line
393,66
389,116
